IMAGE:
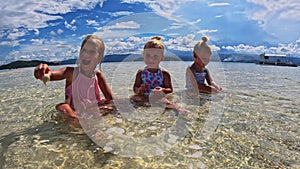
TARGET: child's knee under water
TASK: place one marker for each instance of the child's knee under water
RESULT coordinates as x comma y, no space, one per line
144,101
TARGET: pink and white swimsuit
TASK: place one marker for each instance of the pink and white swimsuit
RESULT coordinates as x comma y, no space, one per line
83,93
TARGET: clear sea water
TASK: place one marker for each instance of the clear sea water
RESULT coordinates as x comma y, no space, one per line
255,124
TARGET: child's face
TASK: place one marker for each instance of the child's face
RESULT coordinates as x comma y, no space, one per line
202,58
153,56
89,55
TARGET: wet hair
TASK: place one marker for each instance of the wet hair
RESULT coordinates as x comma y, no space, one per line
101,49
202,46
102,46
155,42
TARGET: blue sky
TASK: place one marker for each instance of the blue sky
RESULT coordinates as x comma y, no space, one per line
53,30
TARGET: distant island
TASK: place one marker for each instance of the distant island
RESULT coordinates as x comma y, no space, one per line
223,57
108,58
22,64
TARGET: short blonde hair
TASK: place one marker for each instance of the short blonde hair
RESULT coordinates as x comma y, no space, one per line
202,46
155,42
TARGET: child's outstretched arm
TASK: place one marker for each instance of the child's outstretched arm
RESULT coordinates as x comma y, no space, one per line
63,73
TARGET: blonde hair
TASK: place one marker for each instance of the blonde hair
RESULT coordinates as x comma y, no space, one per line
202,46
155,42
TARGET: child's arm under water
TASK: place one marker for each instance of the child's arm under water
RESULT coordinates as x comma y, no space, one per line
212,83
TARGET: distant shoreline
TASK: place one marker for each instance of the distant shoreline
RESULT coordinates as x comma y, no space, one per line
241,58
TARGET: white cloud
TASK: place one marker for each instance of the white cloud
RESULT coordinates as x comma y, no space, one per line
11,43
182,43
163,8
73,22
118,30
60,31
219,4
289,49
120,13
277,17
174,25
242,48
52,33
197,21
281,8
133,45
36,31
124,25
37,41
16,33
92,22
69,26
205,31
44,49
34,15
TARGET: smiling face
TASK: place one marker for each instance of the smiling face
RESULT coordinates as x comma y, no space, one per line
90,56
202,58
152,57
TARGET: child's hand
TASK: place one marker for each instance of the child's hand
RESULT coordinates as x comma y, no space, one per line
158,91
143,88
220,88
40,71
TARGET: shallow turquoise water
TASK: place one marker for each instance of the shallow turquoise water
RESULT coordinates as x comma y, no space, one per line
255,124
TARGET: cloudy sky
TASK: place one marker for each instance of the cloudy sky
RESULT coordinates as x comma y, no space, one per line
53,29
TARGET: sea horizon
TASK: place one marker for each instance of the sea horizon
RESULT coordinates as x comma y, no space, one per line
228,57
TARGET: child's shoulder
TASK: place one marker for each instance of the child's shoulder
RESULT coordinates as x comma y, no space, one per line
164,71
140,70
69,71
99,73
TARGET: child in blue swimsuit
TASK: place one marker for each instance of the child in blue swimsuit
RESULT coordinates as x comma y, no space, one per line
197,75
152,79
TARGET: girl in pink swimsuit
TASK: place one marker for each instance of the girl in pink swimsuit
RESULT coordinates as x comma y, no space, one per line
83,83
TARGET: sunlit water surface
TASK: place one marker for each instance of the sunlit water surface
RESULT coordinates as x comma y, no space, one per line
255,124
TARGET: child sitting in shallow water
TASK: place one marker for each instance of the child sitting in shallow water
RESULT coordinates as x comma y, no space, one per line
83,83
197,75
152,79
